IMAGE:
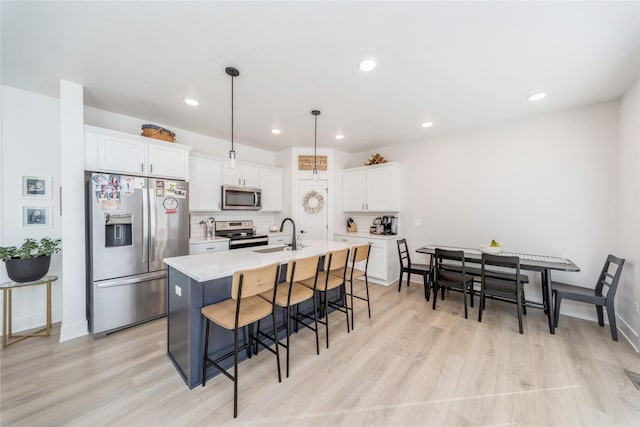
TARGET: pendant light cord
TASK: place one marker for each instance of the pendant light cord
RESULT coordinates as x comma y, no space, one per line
315,113
232,113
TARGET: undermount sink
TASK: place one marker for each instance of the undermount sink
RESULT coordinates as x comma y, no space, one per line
270,250
277,249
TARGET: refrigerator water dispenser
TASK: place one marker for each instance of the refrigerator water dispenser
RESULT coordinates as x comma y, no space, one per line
118,230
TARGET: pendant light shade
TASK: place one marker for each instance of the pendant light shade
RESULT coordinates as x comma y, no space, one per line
233,72
315,113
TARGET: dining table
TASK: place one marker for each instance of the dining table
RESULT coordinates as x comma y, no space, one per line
542,264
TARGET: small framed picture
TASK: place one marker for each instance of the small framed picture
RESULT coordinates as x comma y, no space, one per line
36,217
36,186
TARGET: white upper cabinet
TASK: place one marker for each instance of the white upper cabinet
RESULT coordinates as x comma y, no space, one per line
354,190
207,175
271,185
112,151
371,188
205,179
167,161
243,175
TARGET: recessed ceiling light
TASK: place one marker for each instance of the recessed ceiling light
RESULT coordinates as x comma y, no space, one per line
367,65
339,136
275,131
426,124
191,102
537,96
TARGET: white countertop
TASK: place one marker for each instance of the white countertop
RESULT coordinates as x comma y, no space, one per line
209,266
207,239
370,236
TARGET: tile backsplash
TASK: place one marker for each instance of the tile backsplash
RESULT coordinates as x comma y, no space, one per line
363,220
261,220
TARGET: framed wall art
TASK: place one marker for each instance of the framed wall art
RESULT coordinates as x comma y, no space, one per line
36,186
36,217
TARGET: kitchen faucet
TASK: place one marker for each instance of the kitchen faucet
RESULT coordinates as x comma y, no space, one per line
293,239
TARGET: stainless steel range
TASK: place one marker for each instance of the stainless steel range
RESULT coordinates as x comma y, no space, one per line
241,234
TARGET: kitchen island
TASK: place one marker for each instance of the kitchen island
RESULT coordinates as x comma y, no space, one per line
195,281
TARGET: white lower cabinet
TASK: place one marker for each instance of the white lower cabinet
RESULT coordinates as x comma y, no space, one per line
208,246
384,265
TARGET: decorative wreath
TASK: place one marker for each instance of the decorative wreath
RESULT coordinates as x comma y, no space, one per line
313,202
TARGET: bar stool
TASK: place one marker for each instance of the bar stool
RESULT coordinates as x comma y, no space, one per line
244,308
359,254
332,277
292,293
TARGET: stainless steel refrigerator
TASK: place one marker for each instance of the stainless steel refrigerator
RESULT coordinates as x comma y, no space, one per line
133,223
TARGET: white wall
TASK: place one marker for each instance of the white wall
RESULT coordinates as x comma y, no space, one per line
30,145
629,215
542,185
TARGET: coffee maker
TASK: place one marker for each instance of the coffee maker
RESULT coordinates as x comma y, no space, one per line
390,225
377,227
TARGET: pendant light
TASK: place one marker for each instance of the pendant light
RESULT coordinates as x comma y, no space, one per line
233,72
315,113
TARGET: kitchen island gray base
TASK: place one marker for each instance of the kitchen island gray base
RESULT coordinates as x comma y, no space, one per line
185,324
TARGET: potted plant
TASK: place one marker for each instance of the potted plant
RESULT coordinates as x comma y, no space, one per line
30,261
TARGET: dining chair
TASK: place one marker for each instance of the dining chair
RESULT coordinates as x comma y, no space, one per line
359,255
602,296
450,279
292,292
406,266
332,277
242,310
500,285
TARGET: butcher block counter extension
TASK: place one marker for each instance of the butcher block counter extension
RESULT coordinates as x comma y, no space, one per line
195,281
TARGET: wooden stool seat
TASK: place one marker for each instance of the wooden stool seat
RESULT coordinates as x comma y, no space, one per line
354,273
325,284
299,293
224,313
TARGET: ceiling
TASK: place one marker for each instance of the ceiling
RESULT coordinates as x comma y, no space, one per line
458,64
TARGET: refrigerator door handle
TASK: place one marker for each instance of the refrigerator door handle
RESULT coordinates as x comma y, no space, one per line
145,226
131,280
152,226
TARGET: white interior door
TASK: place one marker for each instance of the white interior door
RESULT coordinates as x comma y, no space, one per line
313,209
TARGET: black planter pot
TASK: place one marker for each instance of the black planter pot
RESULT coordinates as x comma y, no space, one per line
28,269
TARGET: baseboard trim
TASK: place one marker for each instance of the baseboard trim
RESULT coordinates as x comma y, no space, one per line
628,333
73,330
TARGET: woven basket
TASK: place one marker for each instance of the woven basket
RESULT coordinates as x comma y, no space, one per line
157,132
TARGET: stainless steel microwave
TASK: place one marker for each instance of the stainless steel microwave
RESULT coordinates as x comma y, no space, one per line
241,198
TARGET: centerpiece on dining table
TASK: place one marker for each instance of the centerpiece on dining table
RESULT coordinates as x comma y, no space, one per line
492,248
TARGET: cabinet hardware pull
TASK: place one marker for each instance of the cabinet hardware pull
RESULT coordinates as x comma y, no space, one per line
151,168
141,167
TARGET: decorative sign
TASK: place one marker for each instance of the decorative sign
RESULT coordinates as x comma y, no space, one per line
305,163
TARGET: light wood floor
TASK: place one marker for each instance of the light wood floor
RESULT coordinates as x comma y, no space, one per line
408,365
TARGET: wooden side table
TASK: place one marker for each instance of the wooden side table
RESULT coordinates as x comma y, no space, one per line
7,287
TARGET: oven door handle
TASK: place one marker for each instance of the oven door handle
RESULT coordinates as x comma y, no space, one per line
245,241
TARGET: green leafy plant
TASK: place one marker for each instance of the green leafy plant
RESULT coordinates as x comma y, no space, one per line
30,248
